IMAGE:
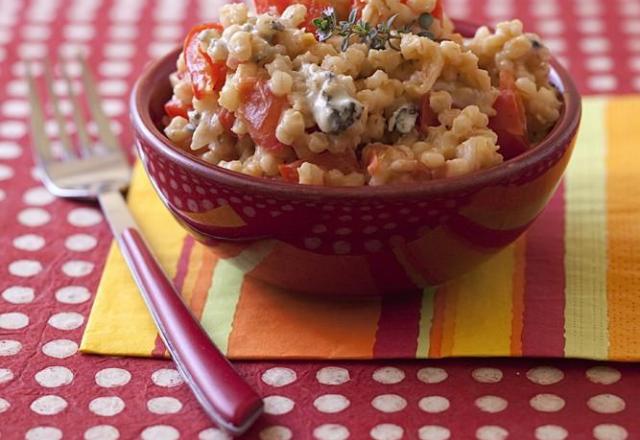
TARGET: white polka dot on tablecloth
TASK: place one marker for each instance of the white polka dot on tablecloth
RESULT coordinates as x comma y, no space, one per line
25,268
112,377
48,405
159,48
15,108
545,375
6,172
13,129
608,431
35,32
33,217
389,403
4,405
602,63
43,433
213,434
119,50
434,432
38,196
102,432
164,405
18,294
606,404
332,375
603,83
491,404
114,68
113,87
603,375
547,402
160,432
277,405
107,406
80,242
434,404
32,51
6,375
13,321
60,348
84,217
279,376
52,377
388,375
66,320
9,150
79,32
72,294
29,242
77,268
432,375
491,432
166,378
9,347
550,432
276,432
386,431
331,403
331,431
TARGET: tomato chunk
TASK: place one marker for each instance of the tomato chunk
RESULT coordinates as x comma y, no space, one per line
226,118
510,121
438,10
175,107
206,75
427,118
260,110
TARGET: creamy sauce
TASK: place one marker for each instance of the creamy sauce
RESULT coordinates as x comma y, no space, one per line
334,107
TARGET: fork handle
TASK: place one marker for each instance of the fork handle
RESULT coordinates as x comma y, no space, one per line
224,395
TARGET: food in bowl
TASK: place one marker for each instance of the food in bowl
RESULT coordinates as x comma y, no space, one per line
390,94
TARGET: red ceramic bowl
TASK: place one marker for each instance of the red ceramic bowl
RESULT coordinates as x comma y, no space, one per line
351,241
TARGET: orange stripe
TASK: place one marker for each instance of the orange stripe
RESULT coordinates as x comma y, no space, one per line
203,283
270,323
517,302
195,262
623,206
449,321
437,326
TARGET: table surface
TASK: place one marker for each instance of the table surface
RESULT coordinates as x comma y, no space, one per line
53,252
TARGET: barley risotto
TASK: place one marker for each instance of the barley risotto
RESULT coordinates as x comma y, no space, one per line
388,94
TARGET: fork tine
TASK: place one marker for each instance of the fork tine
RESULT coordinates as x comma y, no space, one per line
107,137
62,126
40,139
78,117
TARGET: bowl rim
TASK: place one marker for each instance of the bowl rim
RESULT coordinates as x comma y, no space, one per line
560,136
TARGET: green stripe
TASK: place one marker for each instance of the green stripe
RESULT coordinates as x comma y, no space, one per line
224,293
426,318
585,238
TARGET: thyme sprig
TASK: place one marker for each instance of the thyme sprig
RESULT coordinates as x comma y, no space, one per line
376,37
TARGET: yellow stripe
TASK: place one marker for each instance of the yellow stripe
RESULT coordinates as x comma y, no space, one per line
120,323
226,285
426,317
623,208
483,308
585,239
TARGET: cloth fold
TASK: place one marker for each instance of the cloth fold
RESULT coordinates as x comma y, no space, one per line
568,288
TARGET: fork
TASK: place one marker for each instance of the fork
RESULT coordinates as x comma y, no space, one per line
101,172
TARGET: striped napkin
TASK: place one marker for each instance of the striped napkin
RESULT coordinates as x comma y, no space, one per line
569,288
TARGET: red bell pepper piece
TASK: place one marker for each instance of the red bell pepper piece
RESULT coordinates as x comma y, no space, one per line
206,75
510,121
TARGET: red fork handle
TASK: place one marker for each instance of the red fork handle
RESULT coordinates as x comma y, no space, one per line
223,394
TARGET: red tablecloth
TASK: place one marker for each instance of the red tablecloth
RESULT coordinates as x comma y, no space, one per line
53,252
